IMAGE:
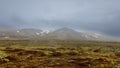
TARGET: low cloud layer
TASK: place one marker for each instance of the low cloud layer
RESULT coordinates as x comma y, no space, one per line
95,15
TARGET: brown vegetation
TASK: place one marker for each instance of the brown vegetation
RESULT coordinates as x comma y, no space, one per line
72,54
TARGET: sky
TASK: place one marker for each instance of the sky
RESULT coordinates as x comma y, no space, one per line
91,15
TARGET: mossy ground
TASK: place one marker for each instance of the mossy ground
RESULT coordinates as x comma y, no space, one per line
60,54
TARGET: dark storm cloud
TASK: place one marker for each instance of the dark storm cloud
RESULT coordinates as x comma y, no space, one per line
95,15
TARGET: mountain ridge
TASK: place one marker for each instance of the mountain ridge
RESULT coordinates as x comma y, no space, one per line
62,34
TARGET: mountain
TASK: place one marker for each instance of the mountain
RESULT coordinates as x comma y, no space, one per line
22,33
8,33
60,34
29,32
70,34
63,34
67,33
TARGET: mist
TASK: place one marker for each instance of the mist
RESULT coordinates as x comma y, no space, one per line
91,15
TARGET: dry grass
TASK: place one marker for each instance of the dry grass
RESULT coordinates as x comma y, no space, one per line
63,54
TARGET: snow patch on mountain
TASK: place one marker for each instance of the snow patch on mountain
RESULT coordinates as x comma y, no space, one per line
37,33
45,31
89,34
18,31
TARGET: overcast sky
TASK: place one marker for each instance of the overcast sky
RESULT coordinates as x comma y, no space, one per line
94,15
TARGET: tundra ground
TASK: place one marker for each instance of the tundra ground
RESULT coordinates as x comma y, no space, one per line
59,54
